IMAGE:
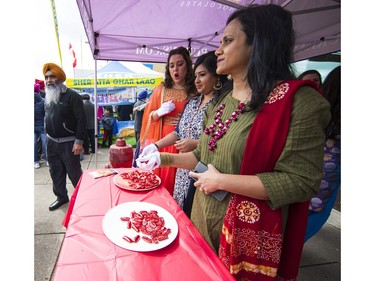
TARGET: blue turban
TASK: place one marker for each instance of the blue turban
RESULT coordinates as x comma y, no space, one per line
142,95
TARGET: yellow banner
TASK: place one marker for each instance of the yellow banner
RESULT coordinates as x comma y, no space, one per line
113,82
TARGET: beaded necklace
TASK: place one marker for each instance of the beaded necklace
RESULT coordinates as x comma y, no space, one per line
219,128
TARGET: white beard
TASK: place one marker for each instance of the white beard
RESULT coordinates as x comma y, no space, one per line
53,93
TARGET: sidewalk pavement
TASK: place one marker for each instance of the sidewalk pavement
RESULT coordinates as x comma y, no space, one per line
321,257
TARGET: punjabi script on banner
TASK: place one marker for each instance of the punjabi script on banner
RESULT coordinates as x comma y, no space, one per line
111,96
113,82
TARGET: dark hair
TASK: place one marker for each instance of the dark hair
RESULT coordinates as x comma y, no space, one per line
85,97
311,71
110,109
331,89
209,61
269,29
189,83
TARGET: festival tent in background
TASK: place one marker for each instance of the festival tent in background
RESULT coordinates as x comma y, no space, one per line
145,31
118,83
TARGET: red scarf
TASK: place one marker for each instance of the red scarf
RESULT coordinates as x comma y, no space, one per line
252,243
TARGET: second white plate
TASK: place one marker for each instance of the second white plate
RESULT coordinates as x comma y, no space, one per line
115,229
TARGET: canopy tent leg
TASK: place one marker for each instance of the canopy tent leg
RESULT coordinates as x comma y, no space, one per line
96,115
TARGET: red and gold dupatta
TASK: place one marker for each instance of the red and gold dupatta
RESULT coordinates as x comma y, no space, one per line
252,244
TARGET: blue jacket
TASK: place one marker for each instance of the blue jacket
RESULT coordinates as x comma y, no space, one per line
39,112
108,122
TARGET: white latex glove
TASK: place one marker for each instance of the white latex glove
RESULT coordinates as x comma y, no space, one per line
149,162
165,108
151,148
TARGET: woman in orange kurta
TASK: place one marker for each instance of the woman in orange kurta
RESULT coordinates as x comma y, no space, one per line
165,106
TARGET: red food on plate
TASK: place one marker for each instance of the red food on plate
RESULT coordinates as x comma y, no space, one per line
149,224
137,180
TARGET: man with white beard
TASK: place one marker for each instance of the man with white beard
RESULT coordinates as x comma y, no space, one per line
65,124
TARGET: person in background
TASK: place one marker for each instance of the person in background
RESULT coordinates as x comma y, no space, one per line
100,112
165,106
312,75
124,112
186,135
43,95
138,111
108,122
321,204
65,124
263,144
42,86
90,129
39,133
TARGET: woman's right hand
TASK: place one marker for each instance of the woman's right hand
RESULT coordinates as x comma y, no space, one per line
149,162
151,148
165,108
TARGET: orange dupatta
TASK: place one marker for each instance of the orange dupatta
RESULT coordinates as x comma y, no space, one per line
151,134
153,131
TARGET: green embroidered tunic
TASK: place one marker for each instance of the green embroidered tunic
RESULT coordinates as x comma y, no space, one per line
297,173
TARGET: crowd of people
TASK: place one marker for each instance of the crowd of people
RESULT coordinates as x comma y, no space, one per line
40,149
268,140
321,204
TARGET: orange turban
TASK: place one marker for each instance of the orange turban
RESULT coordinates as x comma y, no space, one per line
56,70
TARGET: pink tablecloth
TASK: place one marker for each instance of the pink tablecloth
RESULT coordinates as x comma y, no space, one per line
87,254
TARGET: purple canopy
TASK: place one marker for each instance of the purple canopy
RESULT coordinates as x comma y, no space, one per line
145,31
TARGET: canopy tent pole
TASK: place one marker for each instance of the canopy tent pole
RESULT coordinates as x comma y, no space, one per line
96,116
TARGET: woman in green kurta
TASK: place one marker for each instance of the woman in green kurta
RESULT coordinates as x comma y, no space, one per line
299,172
292,118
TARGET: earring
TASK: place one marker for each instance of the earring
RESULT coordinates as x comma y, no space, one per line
218,85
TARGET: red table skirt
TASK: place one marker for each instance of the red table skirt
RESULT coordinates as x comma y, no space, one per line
87,254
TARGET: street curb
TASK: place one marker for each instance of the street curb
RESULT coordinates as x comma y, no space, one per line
335,218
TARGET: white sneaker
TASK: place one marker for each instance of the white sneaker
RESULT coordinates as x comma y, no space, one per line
47,164
36,165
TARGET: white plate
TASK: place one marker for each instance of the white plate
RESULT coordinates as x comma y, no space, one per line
114,228
123,184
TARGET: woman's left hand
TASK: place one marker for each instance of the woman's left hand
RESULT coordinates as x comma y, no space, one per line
206,182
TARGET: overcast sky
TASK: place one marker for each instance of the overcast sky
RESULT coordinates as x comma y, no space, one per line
28,41
70,31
